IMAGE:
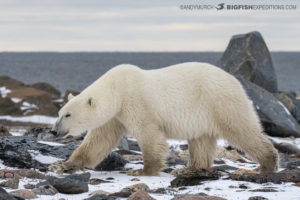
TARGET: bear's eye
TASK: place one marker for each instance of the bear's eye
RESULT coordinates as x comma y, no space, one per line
67,115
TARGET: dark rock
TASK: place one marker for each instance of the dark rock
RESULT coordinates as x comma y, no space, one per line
248,55
41,133
171,161
224,168
264,190
123,144
297,110
184,147
287,148
54,93
113,161
68,185
101,197
45,190
190,178
287,175
257,198
168,170
22,157
81,177
8,107
6,196
4,131
29,186
275,118
219,162
133,145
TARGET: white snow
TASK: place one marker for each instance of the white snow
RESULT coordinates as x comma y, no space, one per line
51,143
27,105
4,91
42,158
34,119
16,100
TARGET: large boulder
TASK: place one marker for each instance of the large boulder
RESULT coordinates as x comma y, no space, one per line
274,116
27,152
248,55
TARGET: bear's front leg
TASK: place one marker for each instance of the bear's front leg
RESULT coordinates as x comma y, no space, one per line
155,149
97,144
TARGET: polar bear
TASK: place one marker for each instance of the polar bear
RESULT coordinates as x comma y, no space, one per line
194,101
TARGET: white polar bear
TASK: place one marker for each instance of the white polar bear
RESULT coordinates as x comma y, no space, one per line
194,101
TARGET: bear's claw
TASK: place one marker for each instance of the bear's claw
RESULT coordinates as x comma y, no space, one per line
64,167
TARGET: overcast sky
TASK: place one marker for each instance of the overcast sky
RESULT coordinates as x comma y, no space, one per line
139,25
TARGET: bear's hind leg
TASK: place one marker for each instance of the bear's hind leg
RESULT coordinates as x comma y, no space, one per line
96,145
202,152
257,146
155,149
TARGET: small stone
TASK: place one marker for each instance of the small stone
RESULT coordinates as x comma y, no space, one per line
97,181
101,197
243,186
12,183
45,190
257,198
140,195
264,190
135,179
26,194
127,191
29,186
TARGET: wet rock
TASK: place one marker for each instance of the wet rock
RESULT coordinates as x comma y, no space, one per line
113,161
287,175
140,195
41,133
257,198
54,93
101,197
6,196
194,177
248,55
69,185
275,118
287,148
133,145
45,190
26,194
22,157
4,131
12,183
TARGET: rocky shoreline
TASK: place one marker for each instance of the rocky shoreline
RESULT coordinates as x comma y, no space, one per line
25,158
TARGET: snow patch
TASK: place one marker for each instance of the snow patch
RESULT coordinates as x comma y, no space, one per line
42,158
51,143
41,119
16,100
4,91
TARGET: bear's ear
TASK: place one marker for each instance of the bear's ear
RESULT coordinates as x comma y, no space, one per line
91,102
70,96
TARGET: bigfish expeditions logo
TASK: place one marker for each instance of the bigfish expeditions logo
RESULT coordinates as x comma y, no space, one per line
224,6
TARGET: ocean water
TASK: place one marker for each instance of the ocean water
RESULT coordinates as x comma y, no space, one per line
77,70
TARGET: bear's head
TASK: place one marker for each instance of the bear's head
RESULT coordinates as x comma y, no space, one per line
74,117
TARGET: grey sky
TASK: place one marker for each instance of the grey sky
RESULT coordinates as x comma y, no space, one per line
128,25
